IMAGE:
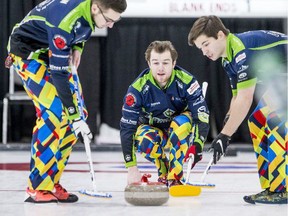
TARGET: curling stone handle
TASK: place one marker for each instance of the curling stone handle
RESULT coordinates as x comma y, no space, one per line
145,177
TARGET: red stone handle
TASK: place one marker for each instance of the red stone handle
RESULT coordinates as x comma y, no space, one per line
145,177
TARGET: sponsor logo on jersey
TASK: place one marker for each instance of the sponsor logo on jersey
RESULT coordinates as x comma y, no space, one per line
160,120
145,89
203,117
71,110
225,63
240,57
127,157
194,86
128,121
130,111
201,109
180,85
130,100
77,26
58,68
60,56
59,42
44,4
168,112
64,1
243,68
155,104
199,100
275,34
242,75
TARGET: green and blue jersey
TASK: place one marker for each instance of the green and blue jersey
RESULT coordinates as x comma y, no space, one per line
50,32
254,55
146,103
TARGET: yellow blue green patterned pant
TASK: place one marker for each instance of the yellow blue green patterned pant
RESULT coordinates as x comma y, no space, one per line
151,143
52,138
268,129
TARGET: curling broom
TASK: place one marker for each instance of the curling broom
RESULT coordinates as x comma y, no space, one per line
186,189
202,183
190,189
87,141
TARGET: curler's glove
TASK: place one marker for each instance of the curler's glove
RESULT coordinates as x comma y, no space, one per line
9,61
196,150
219,146
81,128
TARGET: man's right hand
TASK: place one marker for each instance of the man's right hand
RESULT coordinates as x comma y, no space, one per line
133,175
81,128
219,146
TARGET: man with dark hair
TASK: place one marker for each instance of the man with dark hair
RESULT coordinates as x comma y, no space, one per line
247,58
42,49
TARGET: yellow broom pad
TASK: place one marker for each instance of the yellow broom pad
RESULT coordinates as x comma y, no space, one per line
185,190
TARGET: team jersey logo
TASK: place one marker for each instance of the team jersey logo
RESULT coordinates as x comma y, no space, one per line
168,113
240,57
127,157
71,110
44,5
130,100
145,89
243,68
242,75
194,86
59,42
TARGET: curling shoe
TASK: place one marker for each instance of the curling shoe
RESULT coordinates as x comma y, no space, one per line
40,196
62,195
251,198
163,180
273,198
174,182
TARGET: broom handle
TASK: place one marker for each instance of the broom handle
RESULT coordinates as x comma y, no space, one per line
191,156
206,170
86,139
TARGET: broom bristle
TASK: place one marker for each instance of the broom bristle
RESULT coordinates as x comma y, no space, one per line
95,194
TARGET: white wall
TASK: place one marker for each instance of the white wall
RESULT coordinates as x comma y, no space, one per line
196,8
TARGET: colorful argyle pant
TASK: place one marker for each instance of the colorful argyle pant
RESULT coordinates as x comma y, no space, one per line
52,138
268,131
151,143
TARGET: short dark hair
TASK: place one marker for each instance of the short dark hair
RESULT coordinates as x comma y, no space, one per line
206,25
160,47
116,5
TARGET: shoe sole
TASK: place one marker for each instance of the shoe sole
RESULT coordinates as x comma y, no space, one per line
71,199
31,200
270,202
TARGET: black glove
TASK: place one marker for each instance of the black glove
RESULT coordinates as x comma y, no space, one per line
226,119
196,150
219,146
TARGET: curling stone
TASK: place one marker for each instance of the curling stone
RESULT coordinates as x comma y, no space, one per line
146,193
